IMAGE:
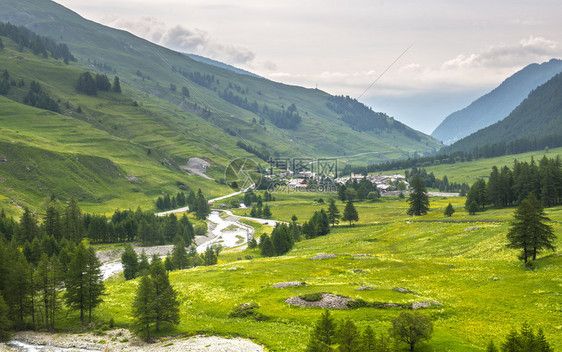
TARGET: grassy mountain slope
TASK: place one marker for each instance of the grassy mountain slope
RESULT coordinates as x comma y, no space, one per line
538,116
497,104
152,69
94,155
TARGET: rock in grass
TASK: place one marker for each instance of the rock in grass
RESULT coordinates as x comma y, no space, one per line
403,290
323,256
365,288
289,284
328,301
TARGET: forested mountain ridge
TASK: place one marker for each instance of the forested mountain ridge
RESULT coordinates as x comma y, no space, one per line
497,104
536,122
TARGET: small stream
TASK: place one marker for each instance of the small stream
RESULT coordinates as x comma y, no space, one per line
227,232
26,347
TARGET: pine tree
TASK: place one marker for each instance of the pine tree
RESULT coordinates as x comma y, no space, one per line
116,85
266,246
281,239
419,201
202,209
449,210
350,213
143,311
84,281
472,207
209,257
165,305
179,255
333,213
87,84
348,337
5,323
129,259
144,266
323,223
529,231
266,213
325,329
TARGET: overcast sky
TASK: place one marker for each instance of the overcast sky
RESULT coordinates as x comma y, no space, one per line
461,49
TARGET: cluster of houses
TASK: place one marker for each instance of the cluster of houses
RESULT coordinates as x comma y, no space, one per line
384,183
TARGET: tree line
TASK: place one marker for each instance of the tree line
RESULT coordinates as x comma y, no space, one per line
284,235
358,190
36,282
430,181
507,187
407,329
198,204
36,95
39,45
68,224
90,85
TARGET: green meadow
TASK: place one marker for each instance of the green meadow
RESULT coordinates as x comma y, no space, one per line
461,262
471,171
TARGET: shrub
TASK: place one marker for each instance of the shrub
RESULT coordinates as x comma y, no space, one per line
312,297
245,310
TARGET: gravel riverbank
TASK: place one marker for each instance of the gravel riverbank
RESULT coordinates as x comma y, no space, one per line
122,340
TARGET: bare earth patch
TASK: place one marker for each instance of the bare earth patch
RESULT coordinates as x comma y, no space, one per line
329,300
122,340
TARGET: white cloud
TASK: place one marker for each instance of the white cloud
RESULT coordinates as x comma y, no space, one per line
193,41
525,52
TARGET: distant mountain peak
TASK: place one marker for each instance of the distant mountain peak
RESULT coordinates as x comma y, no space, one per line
497,104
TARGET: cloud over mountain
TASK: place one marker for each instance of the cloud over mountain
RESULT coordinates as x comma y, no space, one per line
195,41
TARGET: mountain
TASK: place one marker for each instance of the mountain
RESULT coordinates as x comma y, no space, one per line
118,150
221,65
534,124
238,104
497,104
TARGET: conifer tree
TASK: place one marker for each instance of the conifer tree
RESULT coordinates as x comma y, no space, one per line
323,334
333,213
348,337
266,246
143,308
144,266
179,255
5,323
84,281
116,85
165,305
529,230
266,213
130,262
449,210
419,201
350,213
